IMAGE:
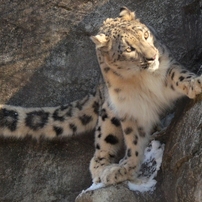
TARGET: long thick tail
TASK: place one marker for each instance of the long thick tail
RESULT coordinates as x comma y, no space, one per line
66,120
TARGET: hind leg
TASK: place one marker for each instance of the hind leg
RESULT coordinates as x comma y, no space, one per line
108,141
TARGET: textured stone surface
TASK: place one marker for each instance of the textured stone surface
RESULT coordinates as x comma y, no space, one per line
118,193
182,163
44,170
47,58
121,193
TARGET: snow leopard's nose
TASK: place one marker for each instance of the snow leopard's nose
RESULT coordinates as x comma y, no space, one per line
150,59
149,52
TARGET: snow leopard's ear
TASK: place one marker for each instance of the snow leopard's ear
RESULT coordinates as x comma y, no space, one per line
101,41
126,14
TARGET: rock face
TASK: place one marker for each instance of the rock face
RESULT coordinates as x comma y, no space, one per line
47,59
42,170
182,161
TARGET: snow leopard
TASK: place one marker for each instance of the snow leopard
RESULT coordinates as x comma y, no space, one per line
141,80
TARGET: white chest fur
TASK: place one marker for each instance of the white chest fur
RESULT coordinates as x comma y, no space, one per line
141,97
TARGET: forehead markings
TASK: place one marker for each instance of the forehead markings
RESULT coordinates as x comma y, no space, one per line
125,32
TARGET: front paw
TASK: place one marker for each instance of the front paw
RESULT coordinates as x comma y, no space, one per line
114,174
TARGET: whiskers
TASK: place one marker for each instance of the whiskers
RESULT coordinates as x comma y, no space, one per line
144,65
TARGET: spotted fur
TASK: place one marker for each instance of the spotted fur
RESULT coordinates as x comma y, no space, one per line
141,81
50,122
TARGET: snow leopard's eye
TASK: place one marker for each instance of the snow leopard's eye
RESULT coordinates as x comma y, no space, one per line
146,35
130,49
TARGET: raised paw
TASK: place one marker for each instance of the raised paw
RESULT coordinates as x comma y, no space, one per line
198,84
192,86
195,87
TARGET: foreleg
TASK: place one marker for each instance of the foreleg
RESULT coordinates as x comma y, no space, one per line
136,139
183,81
108,141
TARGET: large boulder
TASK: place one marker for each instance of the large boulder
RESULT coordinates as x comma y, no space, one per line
43,170
182,162
47,59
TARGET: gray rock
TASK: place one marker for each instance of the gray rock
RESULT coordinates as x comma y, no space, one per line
118,193
182,163
47,59
44,170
